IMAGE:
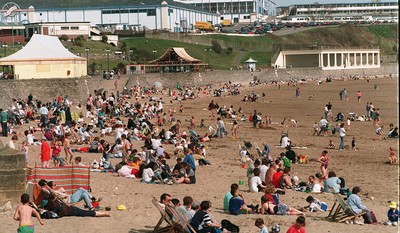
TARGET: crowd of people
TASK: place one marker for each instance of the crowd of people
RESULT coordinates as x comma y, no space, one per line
136,118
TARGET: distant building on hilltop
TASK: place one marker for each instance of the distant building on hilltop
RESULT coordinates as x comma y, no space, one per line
371,12
237,11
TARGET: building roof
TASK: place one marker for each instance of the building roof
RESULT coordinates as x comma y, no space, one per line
250,60
86,4
41,47
175,55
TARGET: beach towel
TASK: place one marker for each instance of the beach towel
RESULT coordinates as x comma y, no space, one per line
70,178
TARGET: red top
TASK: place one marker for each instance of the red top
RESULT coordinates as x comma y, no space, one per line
45,151
276,178
293,229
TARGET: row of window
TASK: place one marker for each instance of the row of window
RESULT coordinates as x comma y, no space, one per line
69,28
227,7
346,12
349,5
150,12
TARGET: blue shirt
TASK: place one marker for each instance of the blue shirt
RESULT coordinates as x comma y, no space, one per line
189,159
264,230
393,215
354,201
227,198
332,182
235,204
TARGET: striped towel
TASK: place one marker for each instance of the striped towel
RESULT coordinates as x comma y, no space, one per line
70,178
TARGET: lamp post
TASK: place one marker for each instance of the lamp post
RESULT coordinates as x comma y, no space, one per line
130,55
108,59
87,60
154,53
208,50
5,49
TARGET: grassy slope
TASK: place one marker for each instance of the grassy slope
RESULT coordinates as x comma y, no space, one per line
385,36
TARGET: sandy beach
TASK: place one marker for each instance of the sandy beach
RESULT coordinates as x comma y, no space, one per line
367,167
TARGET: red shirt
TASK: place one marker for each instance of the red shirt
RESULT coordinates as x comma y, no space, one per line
276,178
45,151
293,229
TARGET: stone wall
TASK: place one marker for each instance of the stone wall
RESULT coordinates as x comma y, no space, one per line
12,174
46,89
244,76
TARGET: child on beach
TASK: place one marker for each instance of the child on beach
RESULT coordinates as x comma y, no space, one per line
202,125
353,144
234,130
56,153
315,205
331,145
393,215
348,123
255,183
44,152
324,162
299,226
260,224
393,158
25,150
24,213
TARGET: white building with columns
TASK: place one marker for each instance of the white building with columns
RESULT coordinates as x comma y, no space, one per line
329,58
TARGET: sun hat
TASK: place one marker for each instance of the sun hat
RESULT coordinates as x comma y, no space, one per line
393,204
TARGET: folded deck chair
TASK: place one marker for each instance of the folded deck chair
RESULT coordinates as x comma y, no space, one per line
341,211
164,217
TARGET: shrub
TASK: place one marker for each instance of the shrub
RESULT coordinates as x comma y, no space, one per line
104,38
229,50
216,46
64,38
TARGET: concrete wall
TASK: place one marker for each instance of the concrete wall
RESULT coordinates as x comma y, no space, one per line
47,89
244,76
12,174
50,70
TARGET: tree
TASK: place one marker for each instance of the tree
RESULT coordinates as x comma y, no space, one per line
104,38
216,46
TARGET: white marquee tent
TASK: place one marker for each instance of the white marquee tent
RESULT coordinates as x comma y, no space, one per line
45,57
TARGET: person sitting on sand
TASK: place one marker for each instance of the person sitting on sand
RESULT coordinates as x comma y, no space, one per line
237,204
331,145
203,222
270,173
188,176
393,158
332,182
268,207
255,183
271,194
314,185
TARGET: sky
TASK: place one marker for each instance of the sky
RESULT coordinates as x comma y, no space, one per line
292,2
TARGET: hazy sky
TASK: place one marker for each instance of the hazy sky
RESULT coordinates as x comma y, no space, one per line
292,2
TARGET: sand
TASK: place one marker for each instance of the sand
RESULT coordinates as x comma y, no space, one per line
365,167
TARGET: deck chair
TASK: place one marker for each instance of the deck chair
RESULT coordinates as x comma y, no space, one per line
164,217
341,211
180,219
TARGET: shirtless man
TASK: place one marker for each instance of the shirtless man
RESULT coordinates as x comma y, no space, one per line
67,148
126,148
23,214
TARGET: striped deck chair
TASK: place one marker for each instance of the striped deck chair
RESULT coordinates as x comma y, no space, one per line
164,217
341,211
70,178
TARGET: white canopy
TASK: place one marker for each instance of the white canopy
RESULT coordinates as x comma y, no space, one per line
41,47
250,60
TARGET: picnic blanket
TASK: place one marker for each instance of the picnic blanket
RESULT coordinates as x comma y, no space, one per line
70,178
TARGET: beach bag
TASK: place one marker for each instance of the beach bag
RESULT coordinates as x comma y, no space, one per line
303,159
369,217
229,226
49,215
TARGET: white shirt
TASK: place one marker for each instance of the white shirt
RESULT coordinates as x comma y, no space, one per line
316,188
155,143
11,144
43,110
323,122
30,138
168,135
147,175
253,183
342,132
263,170
125,171
285,142
118,133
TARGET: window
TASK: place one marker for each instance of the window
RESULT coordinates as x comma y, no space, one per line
151,12
64,28
74,28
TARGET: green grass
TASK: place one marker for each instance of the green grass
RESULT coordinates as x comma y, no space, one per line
385,31
263,58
